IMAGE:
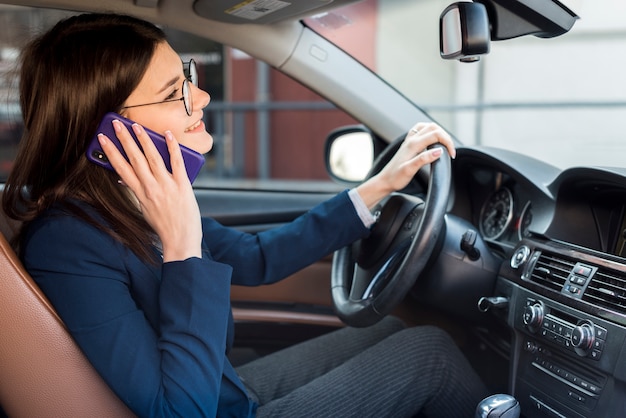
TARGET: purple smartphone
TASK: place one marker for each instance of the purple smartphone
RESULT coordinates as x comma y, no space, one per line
193,160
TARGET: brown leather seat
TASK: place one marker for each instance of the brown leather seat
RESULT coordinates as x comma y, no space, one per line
42,371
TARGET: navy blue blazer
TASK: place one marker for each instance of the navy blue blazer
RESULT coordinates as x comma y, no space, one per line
158,335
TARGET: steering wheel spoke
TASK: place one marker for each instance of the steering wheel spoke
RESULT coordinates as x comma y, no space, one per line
384,274
361,279
398,220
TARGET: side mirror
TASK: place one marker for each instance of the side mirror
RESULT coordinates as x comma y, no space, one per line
464,32
349,154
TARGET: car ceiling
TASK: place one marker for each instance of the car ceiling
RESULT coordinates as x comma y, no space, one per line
213,19
179,14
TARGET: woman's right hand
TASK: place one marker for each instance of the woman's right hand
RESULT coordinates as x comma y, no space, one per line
166,199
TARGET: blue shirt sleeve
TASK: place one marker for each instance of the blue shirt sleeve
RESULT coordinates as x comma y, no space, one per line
272,255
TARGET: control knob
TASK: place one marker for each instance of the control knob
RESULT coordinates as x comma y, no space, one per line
583,336
533,316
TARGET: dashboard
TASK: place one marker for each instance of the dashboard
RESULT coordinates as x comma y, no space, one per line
509,197
503,194
561,236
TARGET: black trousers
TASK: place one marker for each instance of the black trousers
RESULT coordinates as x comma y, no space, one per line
385,370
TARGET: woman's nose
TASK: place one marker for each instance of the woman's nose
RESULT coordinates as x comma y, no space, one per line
201,98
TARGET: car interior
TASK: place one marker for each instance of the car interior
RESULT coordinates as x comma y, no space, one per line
522,262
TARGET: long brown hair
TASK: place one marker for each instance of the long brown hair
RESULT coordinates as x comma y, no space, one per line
70,76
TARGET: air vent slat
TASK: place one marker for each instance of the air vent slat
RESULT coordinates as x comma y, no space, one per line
607,289
551,271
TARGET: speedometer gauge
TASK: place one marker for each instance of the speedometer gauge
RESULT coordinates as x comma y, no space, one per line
497,213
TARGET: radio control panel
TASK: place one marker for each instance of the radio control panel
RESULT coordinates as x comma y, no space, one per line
581,336
569,357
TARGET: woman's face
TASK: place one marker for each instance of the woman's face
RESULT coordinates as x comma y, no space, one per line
163,80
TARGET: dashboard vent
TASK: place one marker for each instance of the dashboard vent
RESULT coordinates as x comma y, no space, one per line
552,271
607,288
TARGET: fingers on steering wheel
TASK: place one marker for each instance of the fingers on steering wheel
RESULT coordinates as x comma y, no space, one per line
429,134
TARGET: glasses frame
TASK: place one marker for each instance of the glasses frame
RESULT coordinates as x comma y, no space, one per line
191,76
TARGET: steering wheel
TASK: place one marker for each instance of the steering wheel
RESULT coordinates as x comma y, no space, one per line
372,276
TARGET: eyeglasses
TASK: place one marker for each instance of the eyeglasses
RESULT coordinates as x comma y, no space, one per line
191,76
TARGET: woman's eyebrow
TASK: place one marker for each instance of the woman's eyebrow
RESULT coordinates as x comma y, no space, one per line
169,84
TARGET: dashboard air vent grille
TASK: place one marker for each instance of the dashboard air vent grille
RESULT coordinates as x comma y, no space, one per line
607,288
552,271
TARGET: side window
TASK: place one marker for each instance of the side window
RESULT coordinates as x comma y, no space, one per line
267,128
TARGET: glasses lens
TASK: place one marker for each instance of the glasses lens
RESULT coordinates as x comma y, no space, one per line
187,98
191,71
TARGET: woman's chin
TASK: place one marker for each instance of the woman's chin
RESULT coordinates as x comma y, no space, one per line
208,146
200,145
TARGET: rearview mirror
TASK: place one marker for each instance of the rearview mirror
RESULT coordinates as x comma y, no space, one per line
467,28
464,32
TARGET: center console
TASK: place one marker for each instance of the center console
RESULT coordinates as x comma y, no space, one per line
568,314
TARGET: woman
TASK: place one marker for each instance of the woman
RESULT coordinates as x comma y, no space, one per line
142,281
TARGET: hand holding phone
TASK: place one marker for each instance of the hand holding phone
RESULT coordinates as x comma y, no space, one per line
193,160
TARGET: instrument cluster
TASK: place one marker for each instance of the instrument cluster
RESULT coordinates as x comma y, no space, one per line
505,218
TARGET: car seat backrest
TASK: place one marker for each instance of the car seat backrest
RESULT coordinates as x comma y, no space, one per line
43,373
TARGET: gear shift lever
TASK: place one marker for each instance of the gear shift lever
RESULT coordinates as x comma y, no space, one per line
498,406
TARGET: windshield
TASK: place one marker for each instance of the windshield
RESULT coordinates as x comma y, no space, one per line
561,100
